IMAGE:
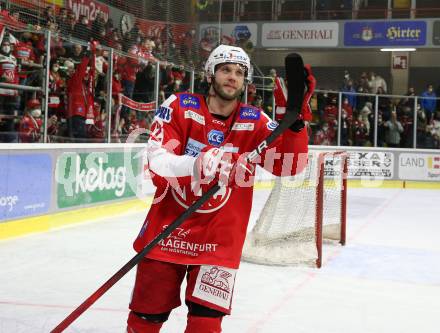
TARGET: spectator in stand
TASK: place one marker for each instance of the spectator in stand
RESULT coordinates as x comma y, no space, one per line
68,29
168,83
429,102
325,135
96,131
9,102
48,16
360,132
76,53
346,78
57,87
62,21
30,128
129,67
393,130
179,75
200,83
331,113
363,85
133,37
368,119
375,82
406,102
24,53
422,125
347,108
251,93
98,28
381,130
351,97
78,101
144,87
407,121
434,128
81,29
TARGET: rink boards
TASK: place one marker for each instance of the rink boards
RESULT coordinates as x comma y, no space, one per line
44,187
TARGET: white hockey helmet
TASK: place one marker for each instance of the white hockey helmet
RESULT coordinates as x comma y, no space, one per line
223,54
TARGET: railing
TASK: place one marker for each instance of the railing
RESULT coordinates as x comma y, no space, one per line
304,15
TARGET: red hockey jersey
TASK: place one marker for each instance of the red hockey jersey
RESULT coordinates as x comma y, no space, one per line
215,233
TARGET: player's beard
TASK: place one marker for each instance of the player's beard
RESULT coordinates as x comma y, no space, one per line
218,89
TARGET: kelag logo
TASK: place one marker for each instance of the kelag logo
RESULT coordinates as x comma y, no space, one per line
216,138
86,178
189,101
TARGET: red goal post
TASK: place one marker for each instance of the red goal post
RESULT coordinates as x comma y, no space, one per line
301,213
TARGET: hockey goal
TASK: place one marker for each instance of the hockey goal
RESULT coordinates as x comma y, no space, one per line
300,213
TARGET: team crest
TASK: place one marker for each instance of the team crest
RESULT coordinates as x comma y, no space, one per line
185,197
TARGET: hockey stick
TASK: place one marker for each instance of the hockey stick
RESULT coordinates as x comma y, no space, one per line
295,76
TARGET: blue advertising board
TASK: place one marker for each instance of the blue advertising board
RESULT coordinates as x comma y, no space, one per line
25,185
389,33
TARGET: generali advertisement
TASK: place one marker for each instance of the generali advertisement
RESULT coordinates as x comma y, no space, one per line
302,34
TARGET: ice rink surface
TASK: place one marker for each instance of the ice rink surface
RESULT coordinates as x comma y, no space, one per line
386,279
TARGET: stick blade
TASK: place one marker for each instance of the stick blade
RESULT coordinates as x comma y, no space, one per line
295,77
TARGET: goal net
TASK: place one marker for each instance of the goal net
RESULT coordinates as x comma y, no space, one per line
300,213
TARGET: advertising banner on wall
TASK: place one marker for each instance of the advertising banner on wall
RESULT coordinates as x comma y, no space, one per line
436,33
386,33
87,178
88,8
25,187
302,34
371,164
243,34
419,166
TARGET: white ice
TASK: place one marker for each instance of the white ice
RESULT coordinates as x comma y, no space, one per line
386,279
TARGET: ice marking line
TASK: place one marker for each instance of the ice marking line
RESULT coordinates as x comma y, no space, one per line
310,276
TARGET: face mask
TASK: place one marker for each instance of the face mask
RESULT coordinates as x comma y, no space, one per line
430,90
36,113
6,49
325,128
55,69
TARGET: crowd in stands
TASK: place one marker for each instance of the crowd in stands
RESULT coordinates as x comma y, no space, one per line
78,101
79,60
395,116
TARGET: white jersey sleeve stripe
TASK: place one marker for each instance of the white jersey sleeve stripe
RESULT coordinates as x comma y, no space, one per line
167,164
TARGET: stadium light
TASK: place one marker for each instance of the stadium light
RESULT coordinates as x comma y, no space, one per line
403,49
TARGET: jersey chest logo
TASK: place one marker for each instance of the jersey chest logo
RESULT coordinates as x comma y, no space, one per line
185,197
189,101
216,138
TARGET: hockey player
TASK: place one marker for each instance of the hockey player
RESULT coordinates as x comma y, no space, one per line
196,141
